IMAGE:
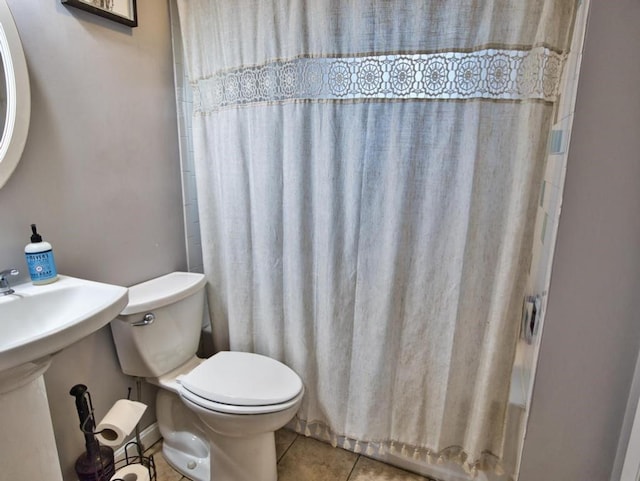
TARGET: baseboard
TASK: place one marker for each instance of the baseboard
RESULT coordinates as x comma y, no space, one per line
148,436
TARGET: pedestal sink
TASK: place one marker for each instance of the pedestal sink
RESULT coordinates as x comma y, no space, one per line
35,323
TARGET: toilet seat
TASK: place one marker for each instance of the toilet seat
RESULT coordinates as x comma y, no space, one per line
241,383
189,397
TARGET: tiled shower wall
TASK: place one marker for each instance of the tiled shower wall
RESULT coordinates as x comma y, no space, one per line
184,104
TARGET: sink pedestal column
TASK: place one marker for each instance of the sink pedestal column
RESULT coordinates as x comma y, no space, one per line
27,445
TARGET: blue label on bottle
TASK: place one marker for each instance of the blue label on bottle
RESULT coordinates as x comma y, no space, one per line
41,265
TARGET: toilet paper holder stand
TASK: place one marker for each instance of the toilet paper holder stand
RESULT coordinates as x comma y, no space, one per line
137,458
130,453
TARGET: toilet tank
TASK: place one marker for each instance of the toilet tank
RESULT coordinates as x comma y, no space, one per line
159,329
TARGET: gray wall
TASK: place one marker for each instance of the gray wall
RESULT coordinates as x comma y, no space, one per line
592,329
100,175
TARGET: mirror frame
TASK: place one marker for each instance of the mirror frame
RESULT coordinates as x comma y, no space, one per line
18,95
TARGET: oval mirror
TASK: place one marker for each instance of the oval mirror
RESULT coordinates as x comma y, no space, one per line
15,97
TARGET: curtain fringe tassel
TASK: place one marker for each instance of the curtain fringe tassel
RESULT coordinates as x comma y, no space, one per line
488,462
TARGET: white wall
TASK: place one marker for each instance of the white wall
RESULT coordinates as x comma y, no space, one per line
100,175
592,329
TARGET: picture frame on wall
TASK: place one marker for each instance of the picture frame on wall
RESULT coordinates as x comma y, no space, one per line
121,11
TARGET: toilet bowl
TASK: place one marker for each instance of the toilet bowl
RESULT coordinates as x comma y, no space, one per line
217,415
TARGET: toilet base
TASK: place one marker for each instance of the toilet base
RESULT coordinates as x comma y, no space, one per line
184,444
243,459
242,447
196,469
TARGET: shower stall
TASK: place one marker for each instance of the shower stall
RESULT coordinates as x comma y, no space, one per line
372,191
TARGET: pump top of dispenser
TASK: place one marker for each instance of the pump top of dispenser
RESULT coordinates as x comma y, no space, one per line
35,237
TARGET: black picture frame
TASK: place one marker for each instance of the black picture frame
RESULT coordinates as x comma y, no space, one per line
102,8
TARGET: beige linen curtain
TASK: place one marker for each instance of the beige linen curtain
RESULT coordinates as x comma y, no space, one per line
367,174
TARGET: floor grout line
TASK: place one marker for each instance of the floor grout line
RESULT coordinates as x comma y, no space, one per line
353,468
288,448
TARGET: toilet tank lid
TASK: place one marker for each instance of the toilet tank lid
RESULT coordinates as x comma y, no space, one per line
162,291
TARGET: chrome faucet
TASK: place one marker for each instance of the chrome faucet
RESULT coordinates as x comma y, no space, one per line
5,288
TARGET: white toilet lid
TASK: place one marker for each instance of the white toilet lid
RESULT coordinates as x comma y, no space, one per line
243,379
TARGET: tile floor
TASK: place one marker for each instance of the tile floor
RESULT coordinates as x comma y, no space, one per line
305,459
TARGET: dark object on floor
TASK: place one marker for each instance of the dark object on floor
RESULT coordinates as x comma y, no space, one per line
97,463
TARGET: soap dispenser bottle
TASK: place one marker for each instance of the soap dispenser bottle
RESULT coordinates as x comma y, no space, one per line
42,267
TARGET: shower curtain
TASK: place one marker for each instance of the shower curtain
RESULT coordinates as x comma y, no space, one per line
367,175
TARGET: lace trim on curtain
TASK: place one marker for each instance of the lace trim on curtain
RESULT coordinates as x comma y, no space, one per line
497,74
487,462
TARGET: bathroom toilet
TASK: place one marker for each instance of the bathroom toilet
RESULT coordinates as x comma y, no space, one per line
217,416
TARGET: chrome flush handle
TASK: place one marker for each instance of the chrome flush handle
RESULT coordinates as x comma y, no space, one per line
148,318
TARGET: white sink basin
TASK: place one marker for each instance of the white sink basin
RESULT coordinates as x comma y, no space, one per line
37,321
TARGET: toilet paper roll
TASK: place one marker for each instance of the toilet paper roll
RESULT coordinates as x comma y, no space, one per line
132,472
119,422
